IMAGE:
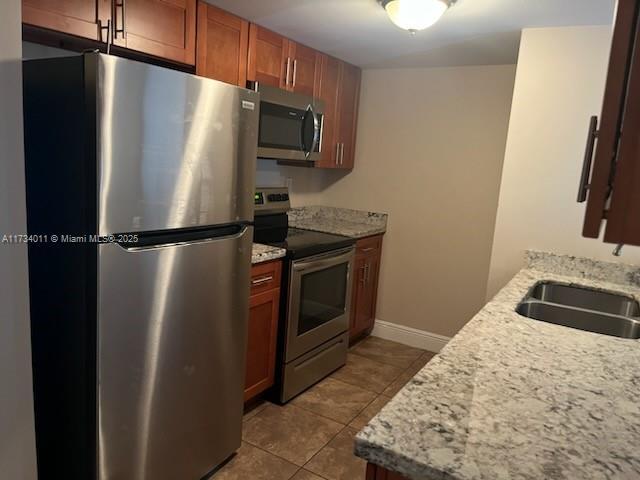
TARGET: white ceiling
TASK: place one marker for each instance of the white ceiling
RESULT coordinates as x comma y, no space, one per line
472,32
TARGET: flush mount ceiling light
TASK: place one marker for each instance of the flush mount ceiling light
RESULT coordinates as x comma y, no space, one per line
415,15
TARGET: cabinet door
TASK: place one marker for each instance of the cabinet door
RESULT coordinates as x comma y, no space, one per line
269,60
75,17
261,342
223,45
329,81
162,28
611,121
348,104
623,221
305,70
365,298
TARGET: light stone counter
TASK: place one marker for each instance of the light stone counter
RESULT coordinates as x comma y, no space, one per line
264,253
515,398
339,221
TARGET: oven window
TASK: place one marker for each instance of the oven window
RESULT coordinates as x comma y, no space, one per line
322,297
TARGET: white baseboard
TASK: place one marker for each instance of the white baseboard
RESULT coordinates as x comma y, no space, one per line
409,336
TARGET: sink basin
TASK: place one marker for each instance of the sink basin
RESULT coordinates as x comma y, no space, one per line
581,297
582,319
583,308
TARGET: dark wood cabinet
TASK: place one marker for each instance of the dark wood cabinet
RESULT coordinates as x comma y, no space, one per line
612,191
82,18
263,327
223,45
279,62
365,286
340,90
305,69
349,97
269,61
375,472
162,28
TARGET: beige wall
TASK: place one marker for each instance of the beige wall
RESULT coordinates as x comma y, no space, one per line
559,85
17,437
429,153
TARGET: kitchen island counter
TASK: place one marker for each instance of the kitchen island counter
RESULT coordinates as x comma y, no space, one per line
515,398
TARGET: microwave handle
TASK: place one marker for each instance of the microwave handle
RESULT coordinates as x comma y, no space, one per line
316,131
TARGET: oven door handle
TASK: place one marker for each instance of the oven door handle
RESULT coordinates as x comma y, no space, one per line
323,261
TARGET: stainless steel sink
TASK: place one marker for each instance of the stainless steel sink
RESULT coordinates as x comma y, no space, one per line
581,297
583,308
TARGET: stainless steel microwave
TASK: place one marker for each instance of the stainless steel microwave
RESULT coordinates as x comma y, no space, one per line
290,125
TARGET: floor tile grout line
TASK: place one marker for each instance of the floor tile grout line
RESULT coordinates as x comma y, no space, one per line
272,454
324,446
289,461
377,359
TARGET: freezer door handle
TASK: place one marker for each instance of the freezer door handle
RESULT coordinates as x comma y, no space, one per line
153,240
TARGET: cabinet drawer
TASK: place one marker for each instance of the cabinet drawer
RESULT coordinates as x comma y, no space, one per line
368,245
265,277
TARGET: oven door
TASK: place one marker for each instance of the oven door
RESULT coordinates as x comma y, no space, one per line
319,301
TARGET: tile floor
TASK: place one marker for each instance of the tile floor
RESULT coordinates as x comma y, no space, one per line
311,438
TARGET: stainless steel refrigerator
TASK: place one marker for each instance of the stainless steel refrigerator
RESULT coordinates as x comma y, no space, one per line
140,194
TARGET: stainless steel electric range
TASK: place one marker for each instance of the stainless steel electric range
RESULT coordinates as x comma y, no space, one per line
316,295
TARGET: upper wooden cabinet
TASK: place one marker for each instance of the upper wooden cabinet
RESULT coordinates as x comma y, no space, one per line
162,28
82,18
269,61
340,90
613,190
279,62
329,83
348,100
305,69
223,44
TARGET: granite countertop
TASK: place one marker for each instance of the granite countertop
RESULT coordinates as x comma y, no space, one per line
515,398
264,253
339,221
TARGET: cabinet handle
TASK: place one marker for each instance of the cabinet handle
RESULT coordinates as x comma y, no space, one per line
337,154
286,80
370,249
363,279
588,157
114,14
260,281
295,73
366,273
107,28
341,153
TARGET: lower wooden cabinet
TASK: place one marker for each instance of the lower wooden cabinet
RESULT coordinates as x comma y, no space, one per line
375,472
264,304
365,286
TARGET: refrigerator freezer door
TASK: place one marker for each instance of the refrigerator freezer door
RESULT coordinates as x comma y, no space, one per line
171,357
174,150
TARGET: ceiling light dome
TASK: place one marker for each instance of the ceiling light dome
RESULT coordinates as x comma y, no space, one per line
415,15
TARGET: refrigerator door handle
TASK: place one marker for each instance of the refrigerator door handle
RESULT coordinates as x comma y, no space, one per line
155,241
